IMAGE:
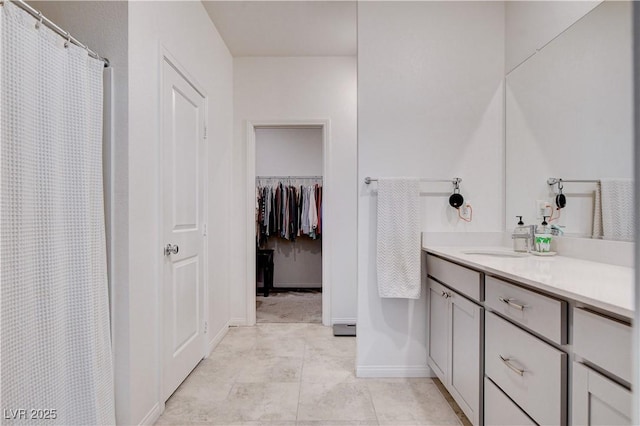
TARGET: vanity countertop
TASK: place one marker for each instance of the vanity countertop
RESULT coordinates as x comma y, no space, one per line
604,286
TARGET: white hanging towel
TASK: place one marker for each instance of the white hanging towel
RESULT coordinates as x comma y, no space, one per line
597,213
617,209
398,256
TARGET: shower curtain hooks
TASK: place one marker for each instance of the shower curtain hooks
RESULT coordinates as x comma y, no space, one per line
39,21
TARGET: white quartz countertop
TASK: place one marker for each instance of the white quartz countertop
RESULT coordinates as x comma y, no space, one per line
604,286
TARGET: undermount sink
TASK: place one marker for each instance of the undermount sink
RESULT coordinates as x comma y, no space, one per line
494,253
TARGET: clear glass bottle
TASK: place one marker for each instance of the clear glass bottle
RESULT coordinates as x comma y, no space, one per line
521,237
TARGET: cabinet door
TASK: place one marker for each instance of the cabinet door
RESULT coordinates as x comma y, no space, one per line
598,400
466,356
438,329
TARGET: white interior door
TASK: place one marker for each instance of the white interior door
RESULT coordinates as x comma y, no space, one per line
183,112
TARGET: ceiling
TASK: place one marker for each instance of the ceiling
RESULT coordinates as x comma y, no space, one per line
286,28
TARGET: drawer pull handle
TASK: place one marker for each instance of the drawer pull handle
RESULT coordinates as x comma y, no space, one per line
511,303
511,366
445,294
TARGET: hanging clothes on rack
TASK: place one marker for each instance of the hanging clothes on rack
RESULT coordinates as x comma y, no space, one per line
319,208
286,210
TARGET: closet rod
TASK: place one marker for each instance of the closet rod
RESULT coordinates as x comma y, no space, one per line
455,181
41,19
288,177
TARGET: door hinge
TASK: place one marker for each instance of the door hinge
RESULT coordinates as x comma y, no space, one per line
205,132
206,327
204,230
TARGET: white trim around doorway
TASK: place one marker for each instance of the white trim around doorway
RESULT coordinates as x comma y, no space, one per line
327,202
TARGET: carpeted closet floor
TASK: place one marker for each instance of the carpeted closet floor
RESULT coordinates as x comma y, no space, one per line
290,307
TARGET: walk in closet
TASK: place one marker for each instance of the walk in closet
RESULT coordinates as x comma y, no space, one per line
289,226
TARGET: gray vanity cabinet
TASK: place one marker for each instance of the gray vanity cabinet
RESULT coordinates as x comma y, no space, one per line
511,353
455,333
539,313
499,410
598,400
455,353
592,332
530,372
438,330
465,376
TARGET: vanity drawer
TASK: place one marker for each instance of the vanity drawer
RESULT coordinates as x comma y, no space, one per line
539,313
603,341
459,278
532,373
499,410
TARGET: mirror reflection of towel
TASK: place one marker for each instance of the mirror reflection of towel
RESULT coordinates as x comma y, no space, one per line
617,209
597,212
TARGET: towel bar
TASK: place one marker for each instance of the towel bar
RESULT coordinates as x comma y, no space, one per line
455,181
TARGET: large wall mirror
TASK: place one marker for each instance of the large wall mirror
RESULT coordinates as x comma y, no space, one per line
569,115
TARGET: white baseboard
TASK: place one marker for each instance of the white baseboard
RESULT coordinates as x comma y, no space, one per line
217,339
394,371
237,322
152,416
343,321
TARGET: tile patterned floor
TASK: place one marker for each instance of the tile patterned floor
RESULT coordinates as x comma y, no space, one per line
298,374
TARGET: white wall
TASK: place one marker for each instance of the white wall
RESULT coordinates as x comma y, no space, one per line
289,152
292,152
297,264
185,30
103,27
430,104
530,25
296,88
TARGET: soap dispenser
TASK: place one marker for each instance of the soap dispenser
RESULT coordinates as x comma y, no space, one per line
521,236
543,237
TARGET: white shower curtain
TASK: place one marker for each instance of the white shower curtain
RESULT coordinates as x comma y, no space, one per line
55,341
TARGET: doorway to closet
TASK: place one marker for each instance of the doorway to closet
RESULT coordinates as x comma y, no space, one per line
287,174
288,225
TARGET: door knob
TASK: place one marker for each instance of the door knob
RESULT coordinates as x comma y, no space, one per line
171,249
